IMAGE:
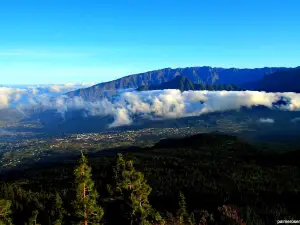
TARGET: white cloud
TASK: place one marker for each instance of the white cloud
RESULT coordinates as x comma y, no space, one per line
173,104
121,118
9,95
160,104
54,89
31,95
266,120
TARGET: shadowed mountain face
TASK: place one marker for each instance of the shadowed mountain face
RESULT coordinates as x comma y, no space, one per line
281,81
184,84
180,82
205,75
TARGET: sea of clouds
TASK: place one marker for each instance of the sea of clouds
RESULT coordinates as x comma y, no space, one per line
129,104
16,95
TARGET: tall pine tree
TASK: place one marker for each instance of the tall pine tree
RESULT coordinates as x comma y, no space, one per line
182,213
85,205
132,188
33,219
59,210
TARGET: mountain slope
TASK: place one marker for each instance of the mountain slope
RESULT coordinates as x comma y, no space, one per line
184,84
180,82
10,115
206,75
281,81
198,140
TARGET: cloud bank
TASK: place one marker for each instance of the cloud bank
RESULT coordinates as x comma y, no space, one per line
11,96
266,120
162,104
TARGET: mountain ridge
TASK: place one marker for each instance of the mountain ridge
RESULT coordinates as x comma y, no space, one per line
206,75
182,83
280,81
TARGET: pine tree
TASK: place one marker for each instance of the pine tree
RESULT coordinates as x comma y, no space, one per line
85,205
182,214
132,187
59,210
116,188
5,212
33,219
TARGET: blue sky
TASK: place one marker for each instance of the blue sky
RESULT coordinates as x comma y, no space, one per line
58,41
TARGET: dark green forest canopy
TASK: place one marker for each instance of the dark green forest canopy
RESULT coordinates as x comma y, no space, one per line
209,169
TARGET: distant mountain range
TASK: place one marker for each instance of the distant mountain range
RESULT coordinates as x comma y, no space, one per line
182,83
277,79
200,75
280,81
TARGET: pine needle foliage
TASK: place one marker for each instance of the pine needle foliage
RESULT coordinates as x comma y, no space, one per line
33,219
59,210
86,208
131,186
182,213
5,212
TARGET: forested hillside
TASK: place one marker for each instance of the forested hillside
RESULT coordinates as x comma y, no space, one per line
202,179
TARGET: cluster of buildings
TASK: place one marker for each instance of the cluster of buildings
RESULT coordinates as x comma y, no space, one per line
32,148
